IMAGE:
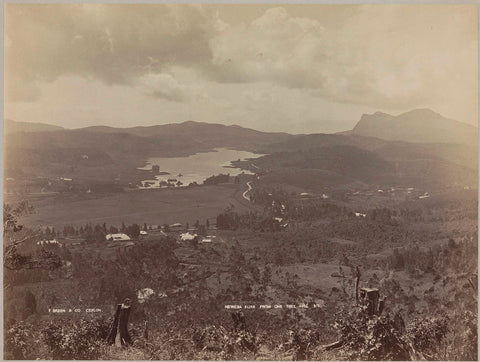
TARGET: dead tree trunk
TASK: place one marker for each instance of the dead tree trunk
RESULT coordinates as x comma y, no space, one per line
120,323
123,323
113,329
357,282
145,332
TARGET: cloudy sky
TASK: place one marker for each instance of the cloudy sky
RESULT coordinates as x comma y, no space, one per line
294,68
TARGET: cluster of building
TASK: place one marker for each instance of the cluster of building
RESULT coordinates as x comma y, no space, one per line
49,242
175,229
187,236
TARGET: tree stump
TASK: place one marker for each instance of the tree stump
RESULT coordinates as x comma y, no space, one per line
371,296
120,323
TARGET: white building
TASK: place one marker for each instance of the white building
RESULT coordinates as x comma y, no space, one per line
46,242
117,237
187,236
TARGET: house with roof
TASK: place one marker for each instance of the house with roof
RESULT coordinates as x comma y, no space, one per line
117,237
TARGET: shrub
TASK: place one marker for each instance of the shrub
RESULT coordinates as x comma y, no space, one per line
427,333
226,344
21,342
301,343
366,337
81,340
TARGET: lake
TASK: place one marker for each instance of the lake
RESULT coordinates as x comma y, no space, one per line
195,168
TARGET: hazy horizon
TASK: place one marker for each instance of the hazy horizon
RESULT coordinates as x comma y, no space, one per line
286,68
294,129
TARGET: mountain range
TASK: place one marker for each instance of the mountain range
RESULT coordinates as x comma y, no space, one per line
418,126
379,144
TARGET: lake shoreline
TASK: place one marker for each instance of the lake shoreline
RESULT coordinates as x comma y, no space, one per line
193,169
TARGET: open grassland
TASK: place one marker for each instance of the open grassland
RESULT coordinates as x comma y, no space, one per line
155,206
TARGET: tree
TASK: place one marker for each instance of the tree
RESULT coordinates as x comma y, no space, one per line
15,235
202,230
133,231
214,180
194,242
88,229
99,233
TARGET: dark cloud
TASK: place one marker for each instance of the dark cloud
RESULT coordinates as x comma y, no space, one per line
114,43
395,56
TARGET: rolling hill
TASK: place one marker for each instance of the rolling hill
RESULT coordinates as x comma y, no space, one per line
200,133
394,164
306,142
38,148
438,151
348,161
170,139
11,126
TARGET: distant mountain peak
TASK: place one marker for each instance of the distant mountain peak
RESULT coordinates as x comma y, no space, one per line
378,113
422,111
417,125
191,122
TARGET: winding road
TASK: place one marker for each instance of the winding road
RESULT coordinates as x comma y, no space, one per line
247,191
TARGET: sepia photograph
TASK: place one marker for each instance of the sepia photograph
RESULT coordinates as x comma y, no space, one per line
274,182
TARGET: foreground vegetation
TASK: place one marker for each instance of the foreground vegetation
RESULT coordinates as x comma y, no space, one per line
421,256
